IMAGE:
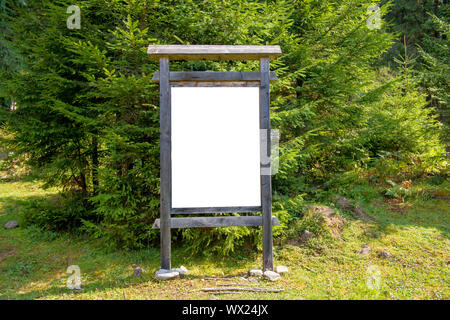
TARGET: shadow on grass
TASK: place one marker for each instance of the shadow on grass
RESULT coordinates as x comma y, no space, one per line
430,214
117,280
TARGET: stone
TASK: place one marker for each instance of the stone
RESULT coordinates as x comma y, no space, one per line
164,274
281,269
306,235
182,270
343,202
365,249
255,273
384,254
271,275
137,272
11,224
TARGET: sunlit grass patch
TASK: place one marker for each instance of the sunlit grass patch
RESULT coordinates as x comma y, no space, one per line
33,262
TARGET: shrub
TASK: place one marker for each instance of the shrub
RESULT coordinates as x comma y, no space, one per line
65,212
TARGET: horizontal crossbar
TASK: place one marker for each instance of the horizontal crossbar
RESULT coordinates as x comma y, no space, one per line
209,222
215,76
213,52
215,210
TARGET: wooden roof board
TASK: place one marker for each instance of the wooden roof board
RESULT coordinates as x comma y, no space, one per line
213,52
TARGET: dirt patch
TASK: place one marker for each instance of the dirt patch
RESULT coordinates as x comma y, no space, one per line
333,221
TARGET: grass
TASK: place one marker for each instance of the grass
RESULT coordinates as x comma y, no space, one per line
33,262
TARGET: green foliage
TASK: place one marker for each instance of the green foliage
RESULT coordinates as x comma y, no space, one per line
397,191
37,234
313,223
62,213
401,123
217,240
411,18
88,118
21,269
434,72
423,31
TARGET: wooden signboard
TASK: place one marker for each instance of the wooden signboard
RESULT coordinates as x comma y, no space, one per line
215,142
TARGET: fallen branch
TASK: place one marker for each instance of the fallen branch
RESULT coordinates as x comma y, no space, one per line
225,278
233,284
238,289
226,292
307,268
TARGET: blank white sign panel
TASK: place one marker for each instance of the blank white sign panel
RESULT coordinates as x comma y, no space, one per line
215,147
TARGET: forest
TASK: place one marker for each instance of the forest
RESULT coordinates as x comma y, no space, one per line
361,104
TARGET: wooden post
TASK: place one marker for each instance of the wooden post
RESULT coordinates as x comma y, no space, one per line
266,177
165,160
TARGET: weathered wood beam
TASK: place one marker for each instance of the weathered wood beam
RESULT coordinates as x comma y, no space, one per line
209,222
165,161
213,52
215,210
233,84
266,177
215,76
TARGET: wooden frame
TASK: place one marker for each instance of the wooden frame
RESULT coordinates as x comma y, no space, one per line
205,210
208,222
213,52
205,76
168,79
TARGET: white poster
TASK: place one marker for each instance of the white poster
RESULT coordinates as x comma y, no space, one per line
215,147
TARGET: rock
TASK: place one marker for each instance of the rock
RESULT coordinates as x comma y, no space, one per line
167,276
343,202
11,224
164,274
255,273
77,290
272,276
306,235
281,269
384,254
137,272
182,271
163,271
365,249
